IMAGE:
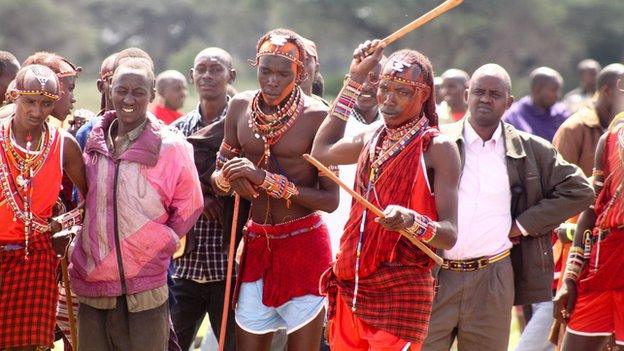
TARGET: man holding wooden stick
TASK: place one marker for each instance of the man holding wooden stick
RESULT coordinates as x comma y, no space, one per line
286,243
380,288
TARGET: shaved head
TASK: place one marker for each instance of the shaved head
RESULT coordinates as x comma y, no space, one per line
492,70
137,66
544,75
108,66
216,54
456,74
588,64
167,77
610,75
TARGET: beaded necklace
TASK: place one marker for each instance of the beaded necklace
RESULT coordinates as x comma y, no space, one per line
393,141
28,166
270,128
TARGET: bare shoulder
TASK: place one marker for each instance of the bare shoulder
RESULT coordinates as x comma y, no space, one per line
314,109
442,150
442,144
242,99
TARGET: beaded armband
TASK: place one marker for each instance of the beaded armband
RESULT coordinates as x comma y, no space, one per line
423,228
334,169
598,176
279,187
345,101
69,219
574,264
222,159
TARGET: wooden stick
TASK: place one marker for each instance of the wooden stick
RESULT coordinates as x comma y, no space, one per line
439,10
371,207
228,277
70,307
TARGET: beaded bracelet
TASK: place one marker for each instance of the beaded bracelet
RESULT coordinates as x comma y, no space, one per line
278,186
423,228
222,183
345,101
69,219
574,264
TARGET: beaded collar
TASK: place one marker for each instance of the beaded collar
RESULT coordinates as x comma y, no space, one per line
393,141
270,128
28,166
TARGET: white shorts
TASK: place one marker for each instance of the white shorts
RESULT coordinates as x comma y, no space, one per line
254,317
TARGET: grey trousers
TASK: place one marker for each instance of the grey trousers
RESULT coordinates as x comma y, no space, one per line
474,307
118,329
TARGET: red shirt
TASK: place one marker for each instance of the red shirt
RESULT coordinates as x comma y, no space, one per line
165,114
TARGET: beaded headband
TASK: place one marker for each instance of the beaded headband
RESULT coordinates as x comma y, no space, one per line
279,45
43,79
16,92
73,71
106,75
419,85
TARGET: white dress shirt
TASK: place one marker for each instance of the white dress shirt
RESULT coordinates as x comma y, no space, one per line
484,214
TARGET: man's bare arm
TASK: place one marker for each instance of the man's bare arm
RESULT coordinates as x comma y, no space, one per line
444,159
330,147
241,186
73,163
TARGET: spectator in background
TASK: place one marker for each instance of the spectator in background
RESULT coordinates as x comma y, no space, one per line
8,69
539,113
437,83
454,84
200,271
171,91
588,71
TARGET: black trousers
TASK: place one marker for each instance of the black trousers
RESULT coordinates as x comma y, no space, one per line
192,301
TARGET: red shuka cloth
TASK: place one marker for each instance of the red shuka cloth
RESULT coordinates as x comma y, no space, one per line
46,185
609,274
396,287
291,265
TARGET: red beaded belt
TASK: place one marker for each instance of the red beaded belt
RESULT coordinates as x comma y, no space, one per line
472,264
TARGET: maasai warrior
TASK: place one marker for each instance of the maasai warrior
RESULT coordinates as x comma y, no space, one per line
286,245
8,69
171,91
145,195
591,299
200,271
380,287
578,136
67,73
33,156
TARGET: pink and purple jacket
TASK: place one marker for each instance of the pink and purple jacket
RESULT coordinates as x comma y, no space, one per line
137,209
